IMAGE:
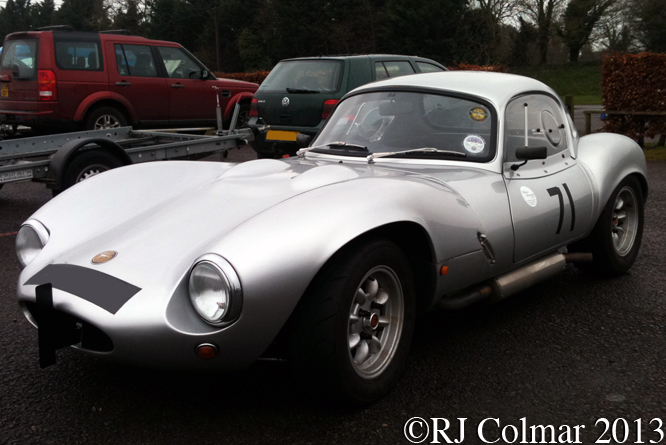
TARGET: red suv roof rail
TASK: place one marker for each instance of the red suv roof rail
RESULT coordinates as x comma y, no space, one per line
55,28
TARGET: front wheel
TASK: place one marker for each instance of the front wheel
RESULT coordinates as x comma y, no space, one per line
352,331
616,238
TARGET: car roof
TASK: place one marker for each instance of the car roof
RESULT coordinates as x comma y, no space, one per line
498,88
355,56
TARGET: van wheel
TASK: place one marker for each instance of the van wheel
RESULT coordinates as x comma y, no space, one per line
86,165
105,117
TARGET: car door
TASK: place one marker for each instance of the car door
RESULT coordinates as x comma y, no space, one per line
135,76
192,99
551,199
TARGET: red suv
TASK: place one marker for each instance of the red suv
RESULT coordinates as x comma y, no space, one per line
103,80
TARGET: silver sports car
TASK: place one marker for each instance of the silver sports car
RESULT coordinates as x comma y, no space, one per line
429,190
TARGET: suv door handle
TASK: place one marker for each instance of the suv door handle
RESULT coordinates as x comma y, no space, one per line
123,83
177,85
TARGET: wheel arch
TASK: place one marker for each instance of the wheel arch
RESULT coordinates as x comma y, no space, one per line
93,102
242,97
417,246
64,156
414,241
609,159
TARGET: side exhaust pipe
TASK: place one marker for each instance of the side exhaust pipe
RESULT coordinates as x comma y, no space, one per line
509,283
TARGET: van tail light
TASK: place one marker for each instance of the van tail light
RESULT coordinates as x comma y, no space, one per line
46,81
254,108
328,107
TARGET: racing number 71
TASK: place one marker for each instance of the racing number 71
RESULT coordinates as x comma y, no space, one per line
556,191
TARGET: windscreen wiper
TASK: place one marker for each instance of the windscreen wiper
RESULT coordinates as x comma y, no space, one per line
335,144
302,91
371,158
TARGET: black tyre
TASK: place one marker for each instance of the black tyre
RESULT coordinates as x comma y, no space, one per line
352,331
86,165
243,115
616,238
105,117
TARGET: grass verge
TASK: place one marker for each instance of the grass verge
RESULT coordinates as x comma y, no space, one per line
582,80
654,153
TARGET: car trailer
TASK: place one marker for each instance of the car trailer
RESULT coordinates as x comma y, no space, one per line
62,160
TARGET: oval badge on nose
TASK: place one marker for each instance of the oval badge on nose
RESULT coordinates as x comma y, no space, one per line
285,102
104,257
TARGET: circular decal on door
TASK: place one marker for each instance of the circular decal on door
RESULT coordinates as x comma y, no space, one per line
474,143
529,196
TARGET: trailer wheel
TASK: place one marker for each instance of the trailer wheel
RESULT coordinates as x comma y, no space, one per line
86,165
105,117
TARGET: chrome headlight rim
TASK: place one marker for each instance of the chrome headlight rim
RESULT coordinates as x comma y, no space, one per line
233,285
42,233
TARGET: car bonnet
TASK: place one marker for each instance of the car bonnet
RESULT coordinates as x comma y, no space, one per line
160,217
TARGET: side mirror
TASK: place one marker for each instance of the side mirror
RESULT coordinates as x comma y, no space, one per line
530,153
204,74
303,140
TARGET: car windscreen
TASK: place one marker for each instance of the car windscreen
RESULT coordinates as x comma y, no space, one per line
317,76
391,121
20,56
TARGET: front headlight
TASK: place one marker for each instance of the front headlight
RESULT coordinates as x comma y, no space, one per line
215,290
30,240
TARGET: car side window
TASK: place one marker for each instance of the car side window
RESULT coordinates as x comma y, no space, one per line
178,64
426,67
542,117
380,71
397,68
78,55
135,60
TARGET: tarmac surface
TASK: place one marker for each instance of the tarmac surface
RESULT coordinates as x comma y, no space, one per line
564,353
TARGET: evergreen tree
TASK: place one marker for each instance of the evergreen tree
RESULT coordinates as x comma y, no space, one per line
43,13
84,15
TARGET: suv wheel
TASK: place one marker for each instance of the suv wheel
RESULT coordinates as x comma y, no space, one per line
105,117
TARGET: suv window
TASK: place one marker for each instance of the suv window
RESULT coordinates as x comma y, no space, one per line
313,75
135,60
78,55
398,68
20,57
428,67
178,64
545,125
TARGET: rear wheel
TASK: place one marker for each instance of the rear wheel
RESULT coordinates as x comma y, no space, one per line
616,238
352,331
105,117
